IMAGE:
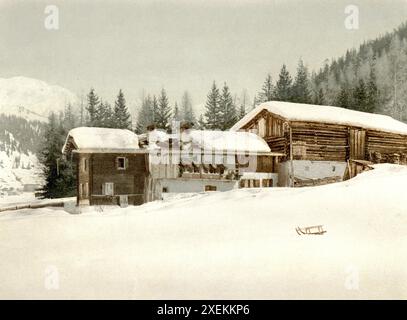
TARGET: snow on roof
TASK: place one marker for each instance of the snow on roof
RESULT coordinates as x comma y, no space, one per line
229,140
92,139
211,140
326,114
156,137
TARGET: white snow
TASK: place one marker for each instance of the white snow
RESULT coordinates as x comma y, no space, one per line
229,140
32,99
156,137
215,140
326,114
18,169
102,139
23,197
258,175
239,244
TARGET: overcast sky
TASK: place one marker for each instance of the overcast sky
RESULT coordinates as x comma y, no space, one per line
179,45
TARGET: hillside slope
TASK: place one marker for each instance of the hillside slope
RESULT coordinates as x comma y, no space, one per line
20,141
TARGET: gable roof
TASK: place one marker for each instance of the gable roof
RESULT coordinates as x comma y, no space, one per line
90,139
326,114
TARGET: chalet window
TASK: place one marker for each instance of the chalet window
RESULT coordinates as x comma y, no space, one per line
121,163
165,189
210,188
108,189
85,165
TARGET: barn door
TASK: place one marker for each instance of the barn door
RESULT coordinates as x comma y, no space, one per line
357,144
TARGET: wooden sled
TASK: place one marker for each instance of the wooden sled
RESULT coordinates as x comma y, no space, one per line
311,230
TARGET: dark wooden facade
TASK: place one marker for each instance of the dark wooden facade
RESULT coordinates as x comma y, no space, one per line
102,179
304,140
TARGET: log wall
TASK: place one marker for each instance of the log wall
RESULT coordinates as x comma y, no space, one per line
102,168
329,142
382,147
319,141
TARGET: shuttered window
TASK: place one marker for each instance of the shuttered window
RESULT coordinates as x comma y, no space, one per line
121,163
108,189
85,165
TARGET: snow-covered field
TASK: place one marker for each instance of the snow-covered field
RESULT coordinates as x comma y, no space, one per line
236,244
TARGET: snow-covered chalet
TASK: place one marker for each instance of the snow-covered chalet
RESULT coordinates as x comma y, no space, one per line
116,166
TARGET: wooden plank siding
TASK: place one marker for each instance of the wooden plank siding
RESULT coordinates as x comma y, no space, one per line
319,141
386,147
102,168
276,131
329,142
83,177
274,124
357,144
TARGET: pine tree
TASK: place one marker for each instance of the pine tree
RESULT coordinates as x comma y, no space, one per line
145,115
319,97
187,112
267,91
360,96
163,115
93,103
244,99
103,116
301,92
372,93
242,112
201,123
256,101
228,114
121,115
154,109
212,112
70,119
176,116
284,85
109,121
343,99
60,180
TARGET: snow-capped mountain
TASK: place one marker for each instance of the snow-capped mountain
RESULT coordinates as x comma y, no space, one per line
32,99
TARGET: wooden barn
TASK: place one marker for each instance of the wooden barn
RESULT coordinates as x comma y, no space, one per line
323,144
111,167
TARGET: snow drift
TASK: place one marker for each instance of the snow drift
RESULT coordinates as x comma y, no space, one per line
239,244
